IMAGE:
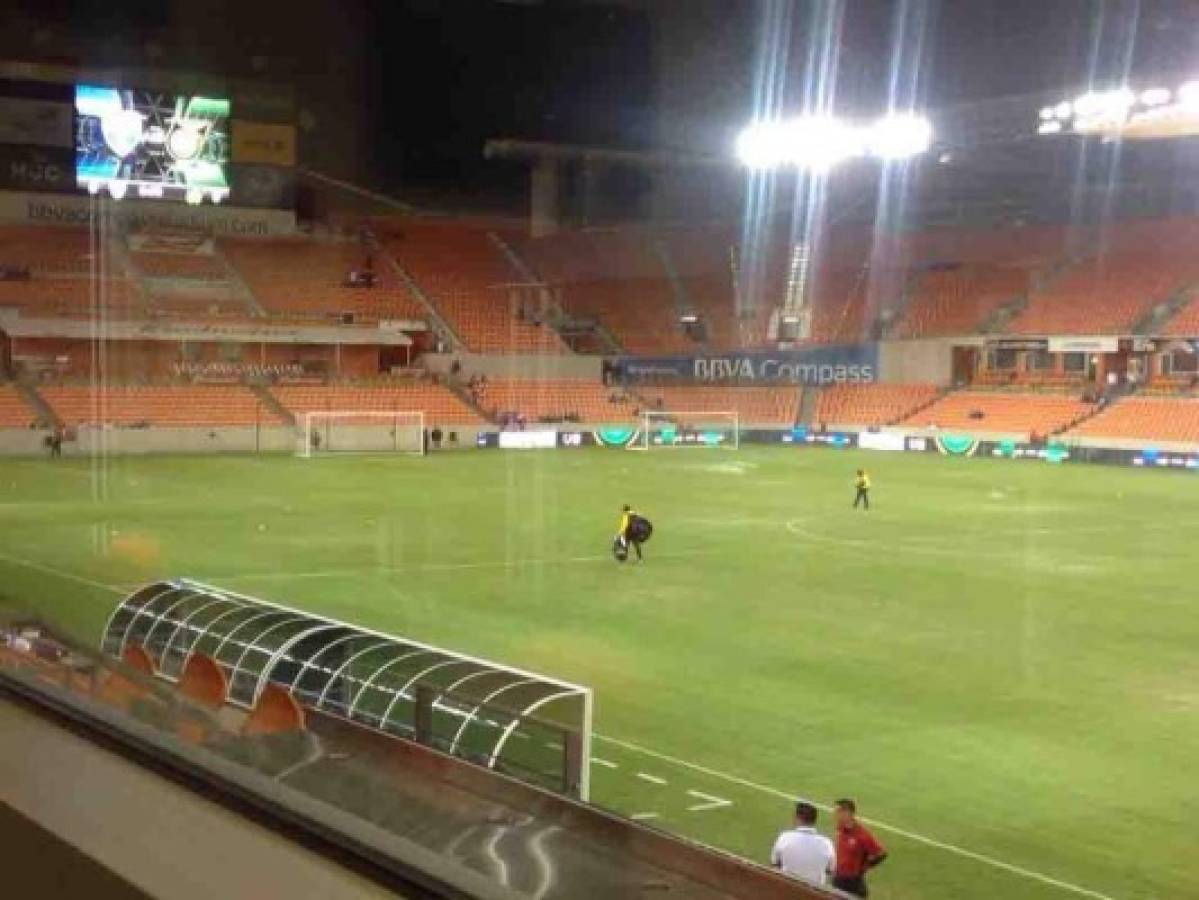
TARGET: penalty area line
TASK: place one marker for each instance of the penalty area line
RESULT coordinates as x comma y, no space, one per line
881,826
59,573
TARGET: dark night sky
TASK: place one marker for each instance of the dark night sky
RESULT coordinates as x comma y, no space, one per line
404,92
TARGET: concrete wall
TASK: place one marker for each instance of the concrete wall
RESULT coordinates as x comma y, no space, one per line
138,441
570,366
922,361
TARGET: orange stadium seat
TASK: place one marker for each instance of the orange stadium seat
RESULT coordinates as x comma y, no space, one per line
1185,323
440,406
457,266
304,275
871,405
1142,264
754,405
1147,419
14,411
958,301
586,401
1001,412
163,406
190,266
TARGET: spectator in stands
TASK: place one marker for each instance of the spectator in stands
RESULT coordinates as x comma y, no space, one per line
857,851
802,852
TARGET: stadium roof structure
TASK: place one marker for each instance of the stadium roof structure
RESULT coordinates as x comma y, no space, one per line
529,725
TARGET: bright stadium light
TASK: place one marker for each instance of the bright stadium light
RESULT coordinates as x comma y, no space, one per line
1155,96
900,136
1046,112
820,142
1188,95
1049,128
116,189
1063,109
763,145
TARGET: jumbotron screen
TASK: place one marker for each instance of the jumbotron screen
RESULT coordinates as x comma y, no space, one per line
138,143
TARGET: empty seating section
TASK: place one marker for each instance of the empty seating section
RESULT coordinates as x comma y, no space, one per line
14,411
47,251
466,276
189,266
1185,323
162,406
838,304
1140,264
1145,419
302,275
638,312
440,406
65,296
1010,413
958,300
754,405
871,405
556,399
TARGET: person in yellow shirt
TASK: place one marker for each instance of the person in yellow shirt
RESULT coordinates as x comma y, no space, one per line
862,483
632,531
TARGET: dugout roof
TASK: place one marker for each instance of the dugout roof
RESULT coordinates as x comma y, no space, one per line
494,714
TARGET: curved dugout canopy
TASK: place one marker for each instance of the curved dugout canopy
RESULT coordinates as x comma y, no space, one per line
494,714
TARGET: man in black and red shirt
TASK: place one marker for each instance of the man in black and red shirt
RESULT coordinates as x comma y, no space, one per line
857,850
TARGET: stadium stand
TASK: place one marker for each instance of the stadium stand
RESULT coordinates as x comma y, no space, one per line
14,411
1040,414
1144,418
1140,264
958,300
162,406
303,275
439,405
463,274
753,405
639,313
871,405
556,400
187,266
1185,323
46,251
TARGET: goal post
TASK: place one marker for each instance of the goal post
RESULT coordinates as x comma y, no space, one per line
331,432
667,428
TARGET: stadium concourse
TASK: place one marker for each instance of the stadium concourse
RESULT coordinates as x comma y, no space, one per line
255,332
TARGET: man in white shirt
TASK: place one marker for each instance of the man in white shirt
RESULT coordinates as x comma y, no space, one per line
802,852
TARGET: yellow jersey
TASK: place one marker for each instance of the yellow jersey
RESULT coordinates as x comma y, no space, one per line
863,482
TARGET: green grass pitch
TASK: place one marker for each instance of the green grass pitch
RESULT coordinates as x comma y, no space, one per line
1000,660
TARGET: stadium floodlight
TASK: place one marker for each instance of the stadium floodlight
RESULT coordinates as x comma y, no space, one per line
821,142
1049,128
1188,95
116,189
1046,113
1155,96
763,145
1063,110
900,136
689,319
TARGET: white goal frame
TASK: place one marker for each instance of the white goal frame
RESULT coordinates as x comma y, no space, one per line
645,438
323,420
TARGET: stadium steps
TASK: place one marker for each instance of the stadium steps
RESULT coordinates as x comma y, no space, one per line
423,299
45,412
455,386
998,320
271,402
241,289
1157,318
552,314
809,401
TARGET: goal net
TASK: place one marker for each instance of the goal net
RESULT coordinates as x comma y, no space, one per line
327,433
665,428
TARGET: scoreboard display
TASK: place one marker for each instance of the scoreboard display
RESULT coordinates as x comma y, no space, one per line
150,144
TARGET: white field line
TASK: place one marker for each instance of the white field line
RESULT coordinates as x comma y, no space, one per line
643,816
606,763
881,826
60,573
652,779
704,770
707,802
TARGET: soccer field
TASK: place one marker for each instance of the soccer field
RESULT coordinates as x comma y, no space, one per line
999,661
